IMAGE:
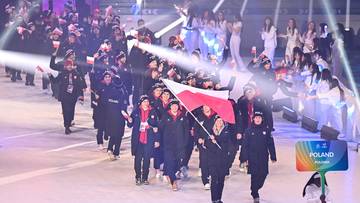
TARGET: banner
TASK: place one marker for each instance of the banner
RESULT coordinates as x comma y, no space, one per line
321,156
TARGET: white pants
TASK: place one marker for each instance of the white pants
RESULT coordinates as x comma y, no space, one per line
329,115
352,131
322,111
289,52
309,109
191,40
235,51
203,46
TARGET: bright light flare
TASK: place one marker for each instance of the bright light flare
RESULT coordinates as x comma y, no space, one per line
11,30
347,17
311,10
243,6
277,11
185,62
25,62
170,27
218,5
343,55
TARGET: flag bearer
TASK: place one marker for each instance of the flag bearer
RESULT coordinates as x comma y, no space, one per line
174,126
218,164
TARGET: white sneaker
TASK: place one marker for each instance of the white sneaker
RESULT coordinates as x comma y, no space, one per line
165,179
242,168
158,175
207,186
184,172
178,175
101,147
228,176
110,154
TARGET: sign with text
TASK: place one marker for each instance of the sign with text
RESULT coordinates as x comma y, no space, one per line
321,156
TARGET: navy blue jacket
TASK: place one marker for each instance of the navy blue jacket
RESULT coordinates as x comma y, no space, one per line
113,101
219,157
152,137
175,136
257,145
63,80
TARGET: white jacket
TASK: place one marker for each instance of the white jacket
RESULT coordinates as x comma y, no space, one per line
269,38
313,193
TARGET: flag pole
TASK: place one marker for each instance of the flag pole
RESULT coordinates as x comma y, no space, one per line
196,119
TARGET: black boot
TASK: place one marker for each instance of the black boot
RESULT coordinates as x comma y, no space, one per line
67,131
18,76
145,182
138,181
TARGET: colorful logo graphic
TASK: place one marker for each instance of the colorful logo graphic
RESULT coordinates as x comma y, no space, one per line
321,156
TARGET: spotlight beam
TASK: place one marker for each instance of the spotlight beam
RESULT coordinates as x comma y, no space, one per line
217,6
347,17
343,55
277,11
12,28
27,62
170,27
311,8
243,6
183,60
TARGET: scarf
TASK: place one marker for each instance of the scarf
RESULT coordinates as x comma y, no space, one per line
165,104
144,115
250,110
174,117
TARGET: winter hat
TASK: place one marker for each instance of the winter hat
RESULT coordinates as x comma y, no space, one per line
106,73
190,76
151,58
143,98
57,31
69,52
103,56
174,101
156,86
248,87
166,90
120,55
258,113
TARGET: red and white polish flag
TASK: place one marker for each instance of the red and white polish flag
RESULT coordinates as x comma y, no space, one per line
39,68
193,98
90,60
171,73
56,44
